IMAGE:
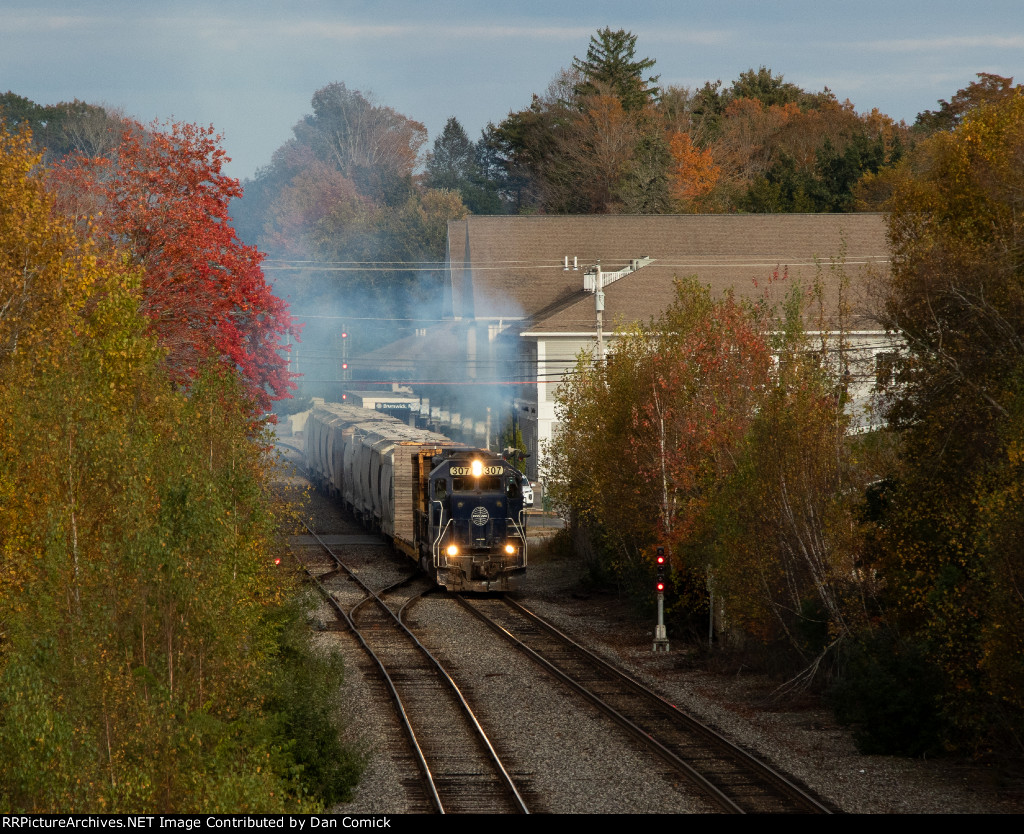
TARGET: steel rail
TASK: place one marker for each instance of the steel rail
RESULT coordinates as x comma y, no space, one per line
761,770
403,716
481,734
769,773
675,761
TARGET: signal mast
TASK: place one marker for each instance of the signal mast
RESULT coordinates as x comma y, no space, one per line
660,634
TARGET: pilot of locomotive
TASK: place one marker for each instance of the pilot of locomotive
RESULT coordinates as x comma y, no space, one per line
477,521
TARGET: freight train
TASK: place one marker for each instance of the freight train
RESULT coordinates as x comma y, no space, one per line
459,511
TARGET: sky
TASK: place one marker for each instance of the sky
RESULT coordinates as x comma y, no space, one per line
250,67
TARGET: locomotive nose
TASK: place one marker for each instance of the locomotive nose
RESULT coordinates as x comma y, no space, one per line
480,528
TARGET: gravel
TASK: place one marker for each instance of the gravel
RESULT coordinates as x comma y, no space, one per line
565,754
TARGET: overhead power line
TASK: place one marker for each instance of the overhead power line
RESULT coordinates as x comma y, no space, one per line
758,261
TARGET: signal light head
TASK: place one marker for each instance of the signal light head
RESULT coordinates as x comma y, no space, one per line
659,587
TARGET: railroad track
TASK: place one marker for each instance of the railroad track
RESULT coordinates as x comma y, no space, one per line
459,764
729,776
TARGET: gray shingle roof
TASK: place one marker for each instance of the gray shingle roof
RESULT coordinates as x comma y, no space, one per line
512,267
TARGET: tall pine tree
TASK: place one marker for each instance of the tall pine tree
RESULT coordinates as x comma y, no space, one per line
611,61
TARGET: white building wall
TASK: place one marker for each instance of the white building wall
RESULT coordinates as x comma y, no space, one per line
555,356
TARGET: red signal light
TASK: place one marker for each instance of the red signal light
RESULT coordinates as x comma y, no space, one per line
344,335
344,366
660,586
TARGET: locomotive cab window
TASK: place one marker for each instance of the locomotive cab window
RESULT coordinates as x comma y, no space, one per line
440,489
473,484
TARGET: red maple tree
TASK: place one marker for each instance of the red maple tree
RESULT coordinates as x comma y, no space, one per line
162,200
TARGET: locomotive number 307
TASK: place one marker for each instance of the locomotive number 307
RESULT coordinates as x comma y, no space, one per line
462,471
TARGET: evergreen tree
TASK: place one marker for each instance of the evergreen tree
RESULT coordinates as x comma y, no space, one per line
498,188
451,164
611,61
766,88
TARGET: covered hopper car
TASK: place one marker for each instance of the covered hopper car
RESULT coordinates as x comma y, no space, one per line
459,511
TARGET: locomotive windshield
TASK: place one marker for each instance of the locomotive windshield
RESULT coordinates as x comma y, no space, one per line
490,484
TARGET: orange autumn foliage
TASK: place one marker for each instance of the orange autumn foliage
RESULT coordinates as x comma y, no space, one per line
694,172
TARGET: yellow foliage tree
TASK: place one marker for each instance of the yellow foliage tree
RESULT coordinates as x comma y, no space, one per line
953,559
44,279
139,606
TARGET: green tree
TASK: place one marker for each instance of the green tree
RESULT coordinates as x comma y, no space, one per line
453,165
827,186
782,188
645,186
611,62
765,87
494,164
838,173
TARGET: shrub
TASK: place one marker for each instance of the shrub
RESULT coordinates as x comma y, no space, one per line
888,693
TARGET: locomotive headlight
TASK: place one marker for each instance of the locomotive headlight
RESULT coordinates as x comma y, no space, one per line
510,549
477,468
452,550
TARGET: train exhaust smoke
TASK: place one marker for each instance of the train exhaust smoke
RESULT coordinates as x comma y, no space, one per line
357,245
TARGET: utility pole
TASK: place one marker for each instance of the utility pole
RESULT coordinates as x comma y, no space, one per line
346,374
596,281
